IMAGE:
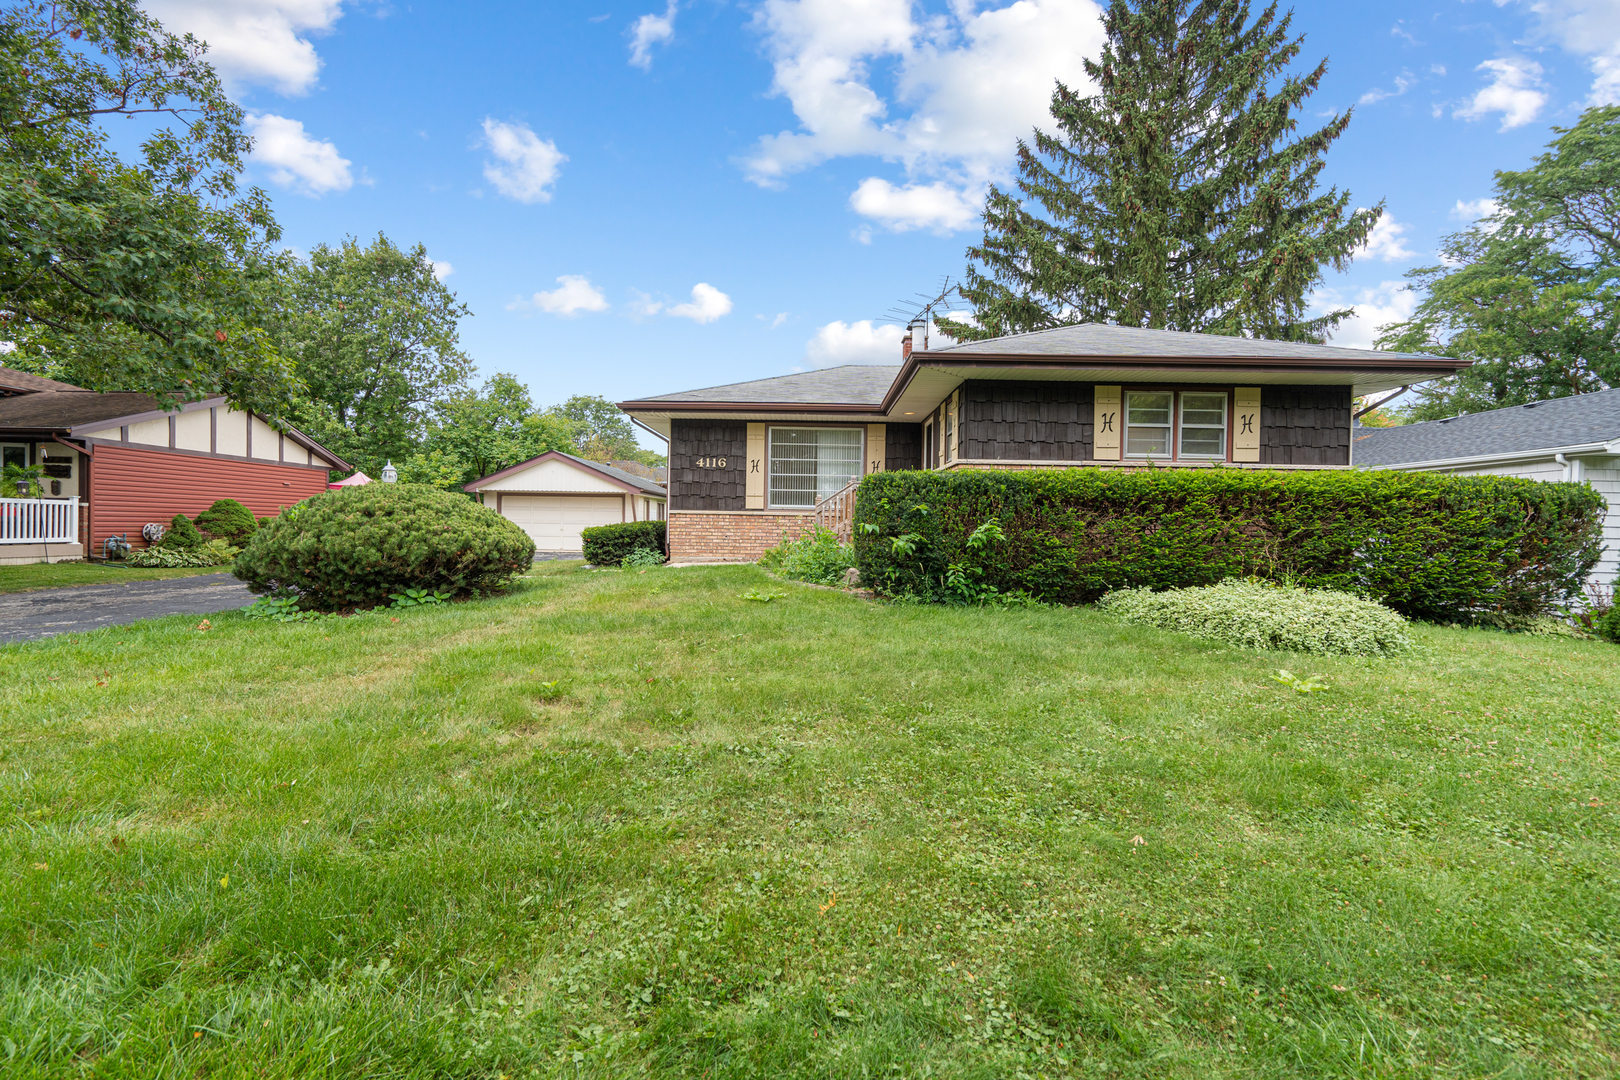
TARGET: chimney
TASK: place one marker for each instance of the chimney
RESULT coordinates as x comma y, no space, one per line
905,347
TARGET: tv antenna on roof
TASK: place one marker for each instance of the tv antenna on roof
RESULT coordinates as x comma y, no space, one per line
921,315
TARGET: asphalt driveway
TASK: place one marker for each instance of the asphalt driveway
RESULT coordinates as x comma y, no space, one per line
25,616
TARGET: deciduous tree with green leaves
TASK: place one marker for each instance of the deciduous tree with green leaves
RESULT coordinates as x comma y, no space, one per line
602,431
1175,197
150,276
1531,292
476,433
376,339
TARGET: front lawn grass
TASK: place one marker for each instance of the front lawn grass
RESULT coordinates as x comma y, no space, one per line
632,823
58,575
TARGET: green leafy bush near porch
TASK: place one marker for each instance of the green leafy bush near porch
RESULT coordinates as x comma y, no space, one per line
608,545
181,535
228,520
817,556
1428,546
354,547
1258,615
212,553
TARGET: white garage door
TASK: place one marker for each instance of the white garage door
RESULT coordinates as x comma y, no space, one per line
555,520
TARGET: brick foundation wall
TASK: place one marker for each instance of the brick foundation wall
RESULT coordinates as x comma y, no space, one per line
721,537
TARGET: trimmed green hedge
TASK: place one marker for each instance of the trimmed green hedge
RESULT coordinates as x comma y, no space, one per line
1427,545
352,547
607,545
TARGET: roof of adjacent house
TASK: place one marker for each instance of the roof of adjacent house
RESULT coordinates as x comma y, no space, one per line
13,381
64,411
850,384
639,483
1105,339
1548,426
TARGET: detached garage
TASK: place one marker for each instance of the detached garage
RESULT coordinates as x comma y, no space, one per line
556,495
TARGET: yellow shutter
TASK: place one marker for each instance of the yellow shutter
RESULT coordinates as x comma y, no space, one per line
954,428
1246,424
1106,425
877,451
756,468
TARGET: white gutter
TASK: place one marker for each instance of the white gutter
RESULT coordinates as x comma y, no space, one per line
1557,453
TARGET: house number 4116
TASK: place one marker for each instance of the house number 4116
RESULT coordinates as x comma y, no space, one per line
711,462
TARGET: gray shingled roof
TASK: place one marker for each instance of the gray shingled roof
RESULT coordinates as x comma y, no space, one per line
1544,425
851,384
61,409
1101,339
649,486
24,382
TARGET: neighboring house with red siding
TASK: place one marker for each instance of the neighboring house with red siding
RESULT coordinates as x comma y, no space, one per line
116,462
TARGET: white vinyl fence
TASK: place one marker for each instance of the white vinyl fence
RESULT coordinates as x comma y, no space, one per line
39,521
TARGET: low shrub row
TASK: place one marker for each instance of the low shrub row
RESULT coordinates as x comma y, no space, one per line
1257,615
1426,545
354,547
610,545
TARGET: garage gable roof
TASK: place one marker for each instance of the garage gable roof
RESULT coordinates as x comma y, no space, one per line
618,477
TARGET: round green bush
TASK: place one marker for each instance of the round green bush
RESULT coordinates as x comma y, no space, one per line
181,535
228,520
350,548
1607,625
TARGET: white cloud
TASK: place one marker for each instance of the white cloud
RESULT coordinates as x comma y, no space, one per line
255,41
1589,28
574,293
780,318
1388,302
310,166
1515,91
1403,83
855,343
1387,241
650,30
965,85
938,206
1474,209
525,165
708,304
441,269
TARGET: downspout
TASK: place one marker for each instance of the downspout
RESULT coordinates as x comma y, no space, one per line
1571,468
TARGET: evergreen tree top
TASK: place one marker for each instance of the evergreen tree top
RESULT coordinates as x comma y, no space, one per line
1175,197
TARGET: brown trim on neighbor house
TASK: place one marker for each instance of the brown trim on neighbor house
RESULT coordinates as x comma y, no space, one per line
213,405
205,454
555,455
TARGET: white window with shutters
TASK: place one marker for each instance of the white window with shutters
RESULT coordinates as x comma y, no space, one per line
1175,425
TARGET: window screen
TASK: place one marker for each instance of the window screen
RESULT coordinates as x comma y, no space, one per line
808,464
1147,424
1203,425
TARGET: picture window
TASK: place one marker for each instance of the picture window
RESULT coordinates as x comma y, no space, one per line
1168,425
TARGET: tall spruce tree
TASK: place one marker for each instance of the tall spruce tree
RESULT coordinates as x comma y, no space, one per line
1173,198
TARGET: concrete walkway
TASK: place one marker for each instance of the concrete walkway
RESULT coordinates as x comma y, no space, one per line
25,616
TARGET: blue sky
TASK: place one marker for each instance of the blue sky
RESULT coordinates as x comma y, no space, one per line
641,197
